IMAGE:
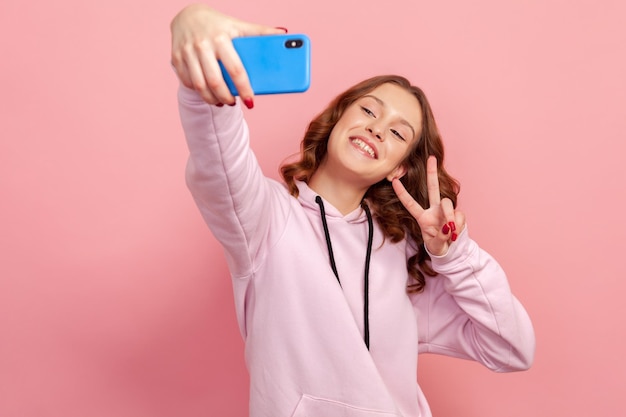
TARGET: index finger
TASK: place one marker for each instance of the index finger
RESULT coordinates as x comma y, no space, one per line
412,206
432,181
232,62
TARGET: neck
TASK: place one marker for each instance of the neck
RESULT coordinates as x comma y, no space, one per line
344,196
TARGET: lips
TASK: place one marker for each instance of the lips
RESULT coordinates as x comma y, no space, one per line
365,146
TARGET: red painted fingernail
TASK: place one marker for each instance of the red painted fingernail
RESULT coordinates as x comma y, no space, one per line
219,104
452,226
248,102
282,28
453,237
445,229
233,103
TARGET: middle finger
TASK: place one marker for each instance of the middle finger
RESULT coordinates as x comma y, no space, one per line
235,68
432,181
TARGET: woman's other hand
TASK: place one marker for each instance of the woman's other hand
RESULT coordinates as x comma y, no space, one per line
440,223
200,37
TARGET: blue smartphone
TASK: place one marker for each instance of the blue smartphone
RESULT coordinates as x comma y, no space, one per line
276,64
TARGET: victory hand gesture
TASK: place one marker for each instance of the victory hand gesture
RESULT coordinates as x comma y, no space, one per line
440,223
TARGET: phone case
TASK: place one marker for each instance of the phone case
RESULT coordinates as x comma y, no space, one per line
276,64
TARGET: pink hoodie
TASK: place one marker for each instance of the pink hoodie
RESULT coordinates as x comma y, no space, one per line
303,332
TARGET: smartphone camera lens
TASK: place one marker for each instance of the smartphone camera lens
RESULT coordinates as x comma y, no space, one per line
293,43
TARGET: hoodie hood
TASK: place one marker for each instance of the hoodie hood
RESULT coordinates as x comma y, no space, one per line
307,196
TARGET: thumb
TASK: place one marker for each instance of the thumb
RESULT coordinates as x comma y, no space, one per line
253,29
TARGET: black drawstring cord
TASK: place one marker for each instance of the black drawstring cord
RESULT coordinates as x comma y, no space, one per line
318,200
366,283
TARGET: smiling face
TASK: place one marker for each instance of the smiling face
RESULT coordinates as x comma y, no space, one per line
373,136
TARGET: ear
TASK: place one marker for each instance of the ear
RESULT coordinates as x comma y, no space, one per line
398,172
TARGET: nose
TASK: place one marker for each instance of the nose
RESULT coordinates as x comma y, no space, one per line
375,130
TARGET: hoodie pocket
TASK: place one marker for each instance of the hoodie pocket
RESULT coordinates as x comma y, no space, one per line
319,407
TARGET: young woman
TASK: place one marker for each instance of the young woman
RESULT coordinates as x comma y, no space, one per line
359,261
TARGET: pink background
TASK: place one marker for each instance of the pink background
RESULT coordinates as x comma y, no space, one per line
114,297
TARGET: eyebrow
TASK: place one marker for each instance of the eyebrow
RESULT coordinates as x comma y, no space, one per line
382,103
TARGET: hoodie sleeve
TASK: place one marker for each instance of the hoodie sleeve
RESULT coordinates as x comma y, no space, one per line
468,311
234,197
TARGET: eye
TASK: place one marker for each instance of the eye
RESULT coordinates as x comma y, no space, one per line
368,111
397,134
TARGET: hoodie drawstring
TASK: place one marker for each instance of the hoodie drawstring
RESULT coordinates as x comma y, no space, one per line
370,238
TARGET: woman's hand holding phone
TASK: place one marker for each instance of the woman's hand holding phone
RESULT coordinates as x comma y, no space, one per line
202,36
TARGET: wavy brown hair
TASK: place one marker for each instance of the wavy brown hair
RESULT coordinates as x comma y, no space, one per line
395,221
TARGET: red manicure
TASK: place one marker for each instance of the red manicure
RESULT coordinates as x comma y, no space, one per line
453,237
219,104
452,226
445,229
282,28
248,102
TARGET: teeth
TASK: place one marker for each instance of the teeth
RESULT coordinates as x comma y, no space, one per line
365,147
